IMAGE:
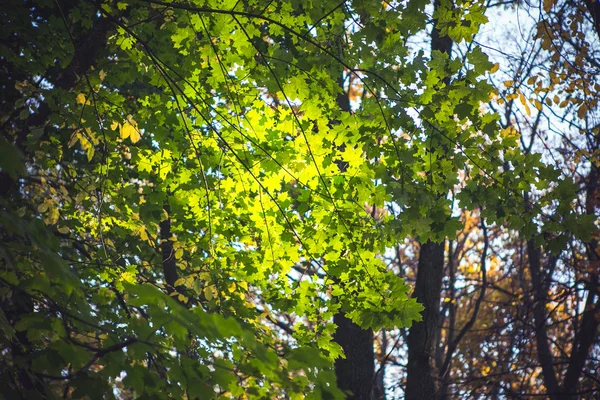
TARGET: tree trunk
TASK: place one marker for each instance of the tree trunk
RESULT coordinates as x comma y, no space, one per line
539,315
355,373
421,382
588,331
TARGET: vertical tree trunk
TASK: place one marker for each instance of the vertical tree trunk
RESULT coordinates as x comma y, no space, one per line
355,373
539,315
421,382
588,331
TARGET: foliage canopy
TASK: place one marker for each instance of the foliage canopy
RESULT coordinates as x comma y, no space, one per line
181,177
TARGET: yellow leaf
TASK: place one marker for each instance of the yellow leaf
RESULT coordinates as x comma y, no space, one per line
179,282
80,98
135,136
524,102
548,5
509,83
143,234
178,254
126,130
208,293
205,276
52,216
102,74
182,298
494,68
90,152
509,133
114,125
42,207
128,276
63,229
129,130
538,104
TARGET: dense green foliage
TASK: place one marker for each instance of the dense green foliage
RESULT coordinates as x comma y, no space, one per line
180,177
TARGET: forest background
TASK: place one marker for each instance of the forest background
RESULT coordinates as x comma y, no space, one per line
295,199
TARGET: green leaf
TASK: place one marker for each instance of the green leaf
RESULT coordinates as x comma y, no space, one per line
11,159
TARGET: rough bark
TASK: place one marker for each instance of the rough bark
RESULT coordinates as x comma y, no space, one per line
422,379
356,372
421,382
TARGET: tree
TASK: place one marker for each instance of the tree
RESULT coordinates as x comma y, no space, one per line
199,197
166,177
490,298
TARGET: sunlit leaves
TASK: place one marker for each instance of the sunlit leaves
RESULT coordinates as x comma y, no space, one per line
81,98
280,199
129,129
